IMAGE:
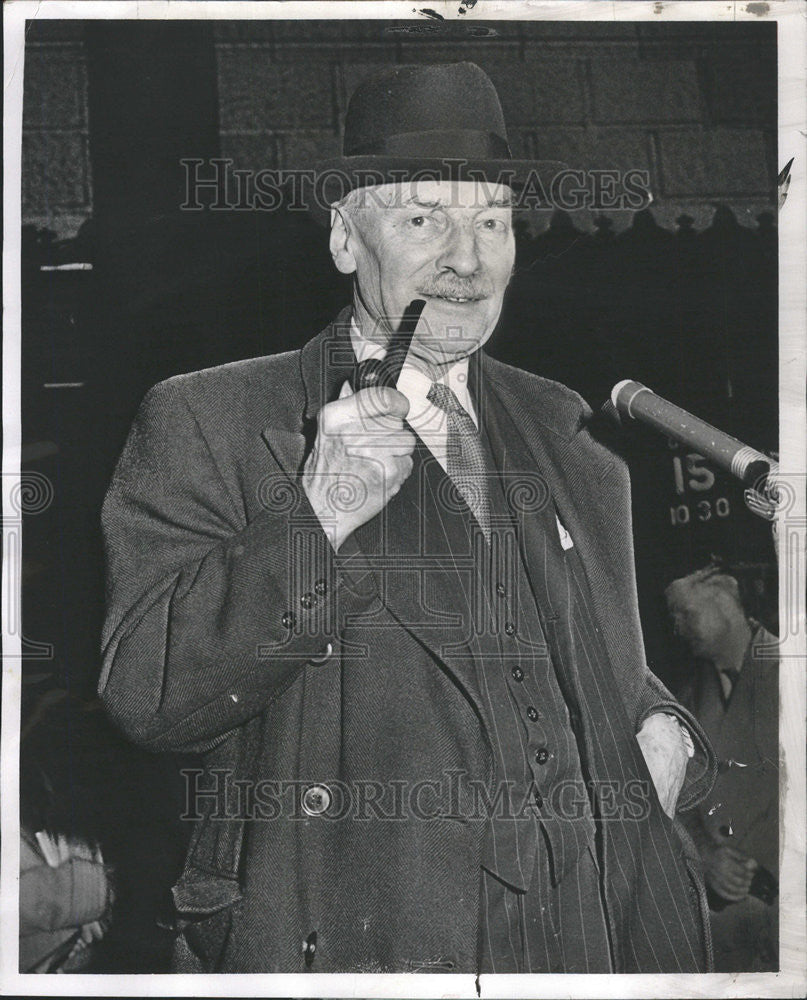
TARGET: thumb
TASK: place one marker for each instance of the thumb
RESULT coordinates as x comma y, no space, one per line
345,391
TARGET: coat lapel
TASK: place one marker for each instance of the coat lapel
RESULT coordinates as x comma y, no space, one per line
578,477
431,589
421,570
586,481
325,363
287,447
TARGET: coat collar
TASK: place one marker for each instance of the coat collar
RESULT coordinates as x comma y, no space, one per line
325,363
532,400
544,420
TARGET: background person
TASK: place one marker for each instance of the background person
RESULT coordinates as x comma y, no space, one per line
735,697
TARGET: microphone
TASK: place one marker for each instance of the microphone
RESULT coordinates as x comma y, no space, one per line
634,400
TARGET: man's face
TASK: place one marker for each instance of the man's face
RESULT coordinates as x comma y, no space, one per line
700,620
448,242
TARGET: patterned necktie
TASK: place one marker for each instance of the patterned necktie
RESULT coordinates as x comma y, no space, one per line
466,464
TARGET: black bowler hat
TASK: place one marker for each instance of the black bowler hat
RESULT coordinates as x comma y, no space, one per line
442,120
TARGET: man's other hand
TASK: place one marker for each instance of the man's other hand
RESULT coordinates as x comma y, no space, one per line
667,747
728,871
361,457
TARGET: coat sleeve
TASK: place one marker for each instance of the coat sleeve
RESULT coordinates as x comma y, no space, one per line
643,692
702,767
210,617
610,567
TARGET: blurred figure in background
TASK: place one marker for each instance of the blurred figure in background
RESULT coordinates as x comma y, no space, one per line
66,892
734,694
99,843
65,902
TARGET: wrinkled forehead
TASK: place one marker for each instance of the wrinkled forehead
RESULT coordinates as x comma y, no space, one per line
468,195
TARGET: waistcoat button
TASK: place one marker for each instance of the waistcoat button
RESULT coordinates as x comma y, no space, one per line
323,656
310,948
316,800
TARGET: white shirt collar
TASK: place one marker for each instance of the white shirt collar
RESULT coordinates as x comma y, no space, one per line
423,417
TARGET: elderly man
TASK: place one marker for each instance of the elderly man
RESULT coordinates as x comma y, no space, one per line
735,696
400,624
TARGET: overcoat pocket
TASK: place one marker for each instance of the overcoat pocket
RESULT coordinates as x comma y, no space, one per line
204,903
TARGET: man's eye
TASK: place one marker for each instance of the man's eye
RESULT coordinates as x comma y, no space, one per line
493,225
424,226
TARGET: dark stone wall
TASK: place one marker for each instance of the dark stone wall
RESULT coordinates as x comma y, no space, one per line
694,104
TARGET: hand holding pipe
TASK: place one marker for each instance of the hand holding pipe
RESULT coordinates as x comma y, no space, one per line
385,371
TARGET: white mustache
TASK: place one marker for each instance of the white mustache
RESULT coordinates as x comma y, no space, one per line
454,291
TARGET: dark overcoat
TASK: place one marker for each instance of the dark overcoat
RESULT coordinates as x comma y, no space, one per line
745,798
332,833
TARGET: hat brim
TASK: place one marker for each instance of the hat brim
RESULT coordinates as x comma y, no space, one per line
340,175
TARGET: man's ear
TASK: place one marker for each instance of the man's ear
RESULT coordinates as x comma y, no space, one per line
340,251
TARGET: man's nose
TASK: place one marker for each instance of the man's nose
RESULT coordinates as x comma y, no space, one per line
460,254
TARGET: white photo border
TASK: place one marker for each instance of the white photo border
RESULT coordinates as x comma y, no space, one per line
791,981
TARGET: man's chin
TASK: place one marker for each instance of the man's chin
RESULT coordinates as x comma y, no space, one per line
445,348
446,334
